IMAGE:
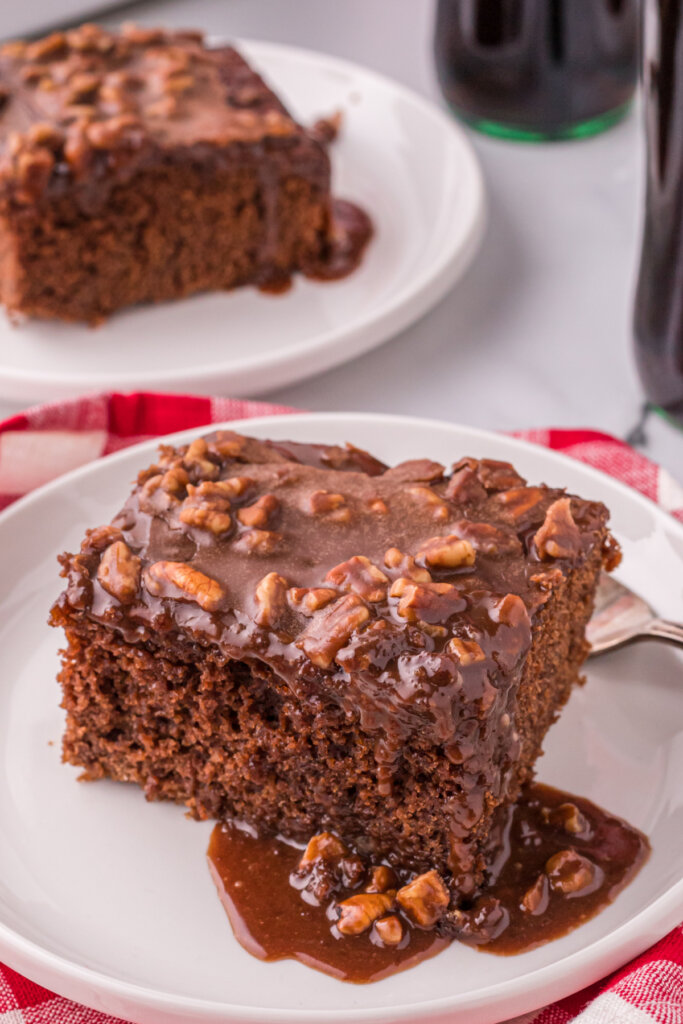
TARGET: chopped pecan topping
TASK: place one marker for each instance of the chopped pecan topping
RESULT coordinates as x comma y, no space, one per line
487,539
362,577
568,817
611,553
519,501
332,506
358,913
259,542
233,487
163,577
447,552
100,538
271,600
227,446
559,537
406,565
570,872
425,899
327,865
498,476
382,878
547,580
119,572
309,600
175,480
196,462
206,507
428,499
416,471
202,517
48,48
464,485
323,846
511,611
260,512
389,930
332,628
535,899
433,602
468,652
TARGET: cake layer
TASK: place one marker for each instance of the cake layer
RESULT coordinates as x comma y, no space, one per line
304,639
143,165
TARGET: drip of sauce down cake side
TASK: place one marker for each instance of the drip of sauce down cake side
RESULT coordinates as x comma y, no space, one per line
523,904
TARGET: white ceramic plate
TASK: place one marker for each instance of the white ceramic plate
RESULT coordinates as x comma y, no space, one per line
399,157
107,899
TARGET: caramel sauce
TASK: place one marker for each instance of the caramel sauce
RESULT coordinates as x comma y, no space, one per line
350,233
272,921
523,905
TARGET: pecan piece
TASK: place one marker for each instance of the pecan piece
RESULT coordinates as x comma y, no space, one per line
415,471
331,629
447,552
487,539
559,537
162,578
358,913
382,878
309,600
175,480
499,476
119,572
468,652
323,846
260,512
406,565
511,611
332,506
100,538
464,485
433,602
570,872
425,899
535,899
271,599
201,517
389,930
259,542
195,460
428,499
362,577
568,817
518,501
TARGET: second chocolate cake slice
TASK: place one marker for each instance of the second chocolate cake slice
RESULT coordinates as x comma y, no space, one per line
298,637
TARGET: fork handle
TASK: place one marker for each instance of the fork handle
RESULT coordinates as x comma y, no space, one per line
663,630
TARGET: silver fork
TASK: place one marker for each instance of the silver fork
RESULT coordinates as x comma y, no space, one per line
620,617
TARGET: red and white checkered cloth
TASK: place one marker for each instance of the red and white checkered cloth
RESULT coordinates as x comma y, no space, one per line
42,443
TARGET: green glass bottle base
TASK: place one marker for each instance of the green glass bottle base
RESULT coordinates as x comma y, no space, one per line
674,417
582,130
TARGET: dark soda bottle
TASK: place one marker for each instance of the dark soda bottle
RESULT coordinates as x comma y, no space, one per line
659,295
537,69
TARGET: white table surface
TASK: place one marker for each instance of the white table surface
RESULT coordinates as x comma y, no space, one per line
538,331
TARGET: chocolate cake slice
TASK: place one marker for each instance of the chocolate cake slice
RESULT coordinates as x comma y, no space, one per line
302,638
144,165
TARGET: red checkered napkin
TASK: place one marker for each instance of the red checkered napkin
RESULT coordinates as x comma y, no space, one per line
42,443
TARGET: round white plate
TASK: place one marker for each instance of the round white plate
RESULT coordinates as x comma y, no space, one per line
401,158
108,899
